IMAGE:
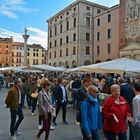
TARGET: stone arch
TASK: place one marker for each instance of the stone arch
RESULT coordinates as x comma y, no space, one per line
60,64
108,59
54,64
73,63
67,64
87,62
97,61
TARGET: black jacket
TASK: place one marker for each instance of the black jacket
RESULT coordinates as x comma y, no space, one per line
59,94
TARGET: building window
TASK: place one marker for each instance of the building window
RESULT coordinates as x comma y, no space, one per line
88,8
87,50
74,50
109,18
33,61
98,11
19,54
74,22
67,39
28,54
7,46
87,36
28,61
60,53
67,25
12,53
55,20
50,33
42,54
34,50
28,49
88,21
67,13
55,31
34,54
55,43
37,50
67,52
74,9
109,33
60,41
50,55
37,61
61,17
98,50
98,36
55,54
19,60
37,54
98,22
6,51
61,28
50,44
74,37
12,60
109,48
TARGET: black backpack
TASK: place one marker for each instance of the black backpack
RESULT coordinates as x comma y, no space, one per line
78,115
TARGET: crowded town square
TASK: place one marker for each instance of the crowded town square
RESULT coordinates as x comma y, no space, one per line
70,70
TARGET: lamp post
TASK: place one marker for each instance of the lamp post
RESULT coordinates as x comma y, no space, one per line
25,37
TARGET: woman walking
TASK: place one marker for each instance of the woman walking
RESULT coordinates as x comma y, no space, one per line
45,109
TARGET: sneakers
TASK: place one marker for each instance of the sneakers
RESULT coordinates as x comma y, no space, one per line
40,127
17,133
65,122
52,127
32,114
13,138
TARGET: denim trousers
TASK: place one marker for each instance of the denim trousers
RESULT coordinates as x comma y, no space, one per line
14,122
34,104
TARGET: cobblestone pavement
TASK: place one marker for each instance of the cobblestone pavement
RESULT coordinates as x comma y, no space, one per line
30,124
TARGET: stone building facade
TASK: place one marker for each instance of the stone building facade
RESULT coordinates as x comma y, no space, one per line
70,34
6,51
106,35
130,29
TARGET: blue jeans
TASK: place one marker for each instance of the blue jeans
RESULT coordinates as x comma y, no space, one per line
15,124
94,134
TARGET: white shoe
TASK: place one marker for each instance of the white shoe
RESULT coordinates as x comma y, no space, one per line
40,127
13,138
52,127
17,133
32,114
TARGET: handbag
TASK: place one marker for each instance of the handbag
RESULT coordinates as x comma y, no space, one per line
34,95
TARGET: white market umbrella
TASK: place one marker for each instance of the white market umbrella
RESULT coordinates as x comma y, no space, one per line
119,66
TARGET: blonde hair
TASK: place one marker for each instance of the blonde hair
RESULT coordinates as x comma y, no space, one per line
92,88
114,87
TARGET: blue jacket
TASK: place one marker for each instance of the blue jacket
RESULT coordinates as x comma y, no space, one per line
91,116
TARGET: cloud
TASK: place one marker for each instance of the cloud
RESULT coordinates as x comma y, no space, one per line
9,14
10,8
37,36
107,3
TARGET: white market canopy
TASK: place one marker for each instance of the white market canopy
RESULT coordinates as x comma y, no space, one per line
73,70
17,69
49,68
119,66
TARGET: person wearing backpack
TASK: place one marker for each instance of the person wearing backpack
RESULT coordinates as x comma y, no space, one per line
136,111
91,119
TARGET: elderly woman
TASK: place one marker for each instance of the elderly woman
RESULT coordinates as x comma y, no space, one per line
91,116
115,113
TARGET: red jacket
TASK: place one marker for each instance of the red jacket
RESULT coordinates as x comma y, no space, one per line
121,111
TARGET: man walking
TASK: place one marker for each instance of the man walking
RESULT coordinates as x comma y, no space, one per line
13,102
61,100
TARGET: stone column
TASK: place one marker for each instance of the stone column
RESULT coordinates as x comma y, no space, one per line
25,37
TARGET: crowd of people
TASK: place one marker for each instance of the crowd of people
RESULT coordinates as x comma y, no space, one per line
49,95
